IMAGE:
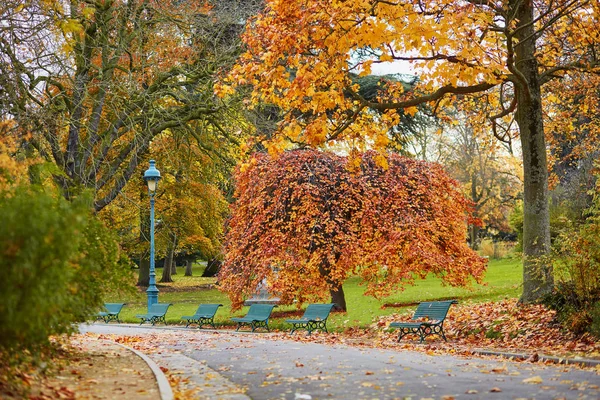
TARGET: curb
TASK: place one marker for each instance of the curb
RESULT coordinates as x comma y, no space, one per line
164,388
585,362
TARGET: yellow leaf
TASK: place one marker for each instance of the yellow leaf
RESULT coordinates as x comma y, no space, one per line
534,380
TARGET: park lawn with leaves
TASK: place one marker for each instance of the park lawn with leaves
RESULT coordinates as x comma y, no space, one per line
503,279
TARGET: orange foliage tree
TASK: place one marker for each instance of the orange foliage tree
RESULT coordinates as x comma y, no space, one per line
302,53
306,222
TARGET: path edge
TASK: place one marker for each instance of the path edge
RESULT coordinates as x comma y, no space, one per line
164,388
585,362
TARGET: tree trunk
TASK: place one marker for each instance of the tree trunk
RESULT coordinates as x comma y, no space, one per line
474,236
537,269
144,271
166,273
335,288
212,268
188,268
168,267
338,297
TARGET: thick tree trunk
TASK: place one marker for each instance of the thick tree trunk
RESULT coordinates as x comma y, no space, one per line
335,289
144,271
188,268
537,269
167,268
338,297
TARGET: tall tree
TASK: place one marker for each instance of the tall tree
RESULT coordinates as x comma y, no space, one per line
94,83
306,222
300,53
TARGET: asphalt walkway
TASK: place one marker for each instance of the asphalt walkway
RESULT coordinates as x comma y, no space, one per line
228,365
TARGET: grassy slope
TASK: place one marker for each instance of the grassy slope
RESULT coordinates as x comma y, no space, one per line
503,279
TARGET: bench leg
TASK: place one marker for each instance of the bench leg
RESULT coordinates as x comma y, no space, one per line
315,325
260,324
296,326
422,334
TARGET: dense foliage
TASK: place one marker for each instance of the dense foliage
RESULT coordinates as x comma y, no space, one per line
577,258
502,56
308,220
58,261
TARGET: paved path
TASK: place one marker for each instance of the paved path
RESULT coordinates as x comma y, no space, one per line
282,369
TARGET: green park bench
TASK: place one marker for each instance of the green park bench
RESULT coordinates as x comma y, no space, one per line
315,317
258,316
428,319
205,314
156,313
111,312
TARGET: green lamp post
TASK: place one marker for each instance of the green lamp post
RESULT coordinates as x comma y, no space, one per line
152,176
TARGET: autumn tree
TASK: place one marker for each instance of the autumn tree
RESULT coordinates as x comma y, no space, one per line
306,222
300,52
486,168
573,140
92,84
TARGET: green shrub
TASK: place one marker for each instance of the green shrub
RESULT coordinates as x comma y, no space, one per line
58,261
576,253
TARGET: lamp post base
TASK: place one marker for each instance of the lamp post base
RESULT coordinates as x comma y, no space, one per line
152,293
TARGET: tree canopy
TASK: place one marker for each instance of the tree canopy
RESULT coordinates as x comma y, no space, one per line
91,84
300,54
307,220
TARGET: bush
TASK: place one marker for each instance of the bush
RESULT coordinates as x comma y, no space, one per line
58,262
577,270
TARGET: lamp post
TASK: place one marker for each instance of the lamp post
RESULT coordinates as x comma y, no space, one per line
151,176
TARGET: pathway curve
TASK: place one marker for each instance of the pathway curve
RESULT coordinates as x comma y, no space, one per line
227,364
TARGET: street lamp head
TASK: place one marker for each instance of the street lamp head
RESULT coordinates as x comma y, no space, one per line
152,176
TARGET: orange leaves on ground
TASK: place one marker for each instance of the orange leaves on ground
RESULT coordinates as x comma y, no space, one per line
306,215
508,326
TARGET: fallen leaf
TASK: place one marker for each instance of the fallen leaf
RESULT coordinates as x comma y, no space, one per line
495,390
471,391
534,380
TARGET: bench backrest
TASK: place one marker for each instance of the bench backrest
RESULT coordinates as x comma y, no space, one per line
435,310
113,308
207,310
317,312
159,308
260,311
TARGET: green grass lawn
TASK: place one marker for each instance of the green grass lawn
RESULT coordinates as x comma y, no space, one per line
503,279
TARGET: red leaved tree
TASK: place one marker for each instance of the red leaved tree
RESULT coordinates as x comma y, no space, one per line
307,220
